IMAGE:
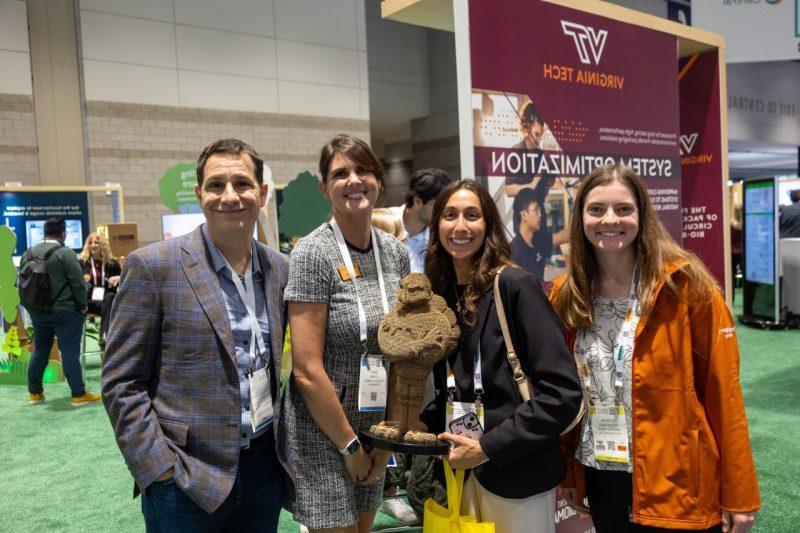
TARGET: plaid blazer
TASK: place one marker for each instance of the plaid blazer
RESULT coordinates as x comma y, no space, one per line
169,379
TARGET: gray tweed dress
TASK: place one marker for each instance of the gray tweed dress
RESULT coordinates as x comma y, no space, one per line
324,495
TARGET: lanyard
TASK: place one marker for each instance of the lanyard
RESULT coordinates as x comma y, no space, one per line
477,379
623,341
248,295
102,273
348,261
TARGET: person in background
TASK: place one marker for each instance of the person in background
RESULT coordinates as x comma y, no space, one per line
343,277
101,271
65,321
664,445
516,464
384,219
790,217
424,187
192,367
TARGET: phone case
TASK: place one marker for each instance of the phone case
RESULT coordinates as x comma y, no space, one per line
467,426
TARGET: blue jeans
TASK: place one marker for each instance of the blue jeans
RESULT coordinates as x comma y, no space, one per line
254,503
67,325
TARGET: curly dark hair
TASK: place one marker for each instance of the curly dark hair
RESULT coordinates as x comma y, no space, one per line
494,253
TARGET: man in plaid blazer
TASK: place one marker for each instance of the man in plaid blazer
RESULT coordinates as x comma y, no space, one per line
189,383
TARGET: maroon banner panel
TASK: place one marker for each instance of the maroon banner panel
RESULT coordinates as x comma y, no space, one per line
557,92
701,162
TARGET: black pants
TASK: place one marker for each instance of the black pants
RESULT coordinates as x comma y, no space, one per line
610,495
104,310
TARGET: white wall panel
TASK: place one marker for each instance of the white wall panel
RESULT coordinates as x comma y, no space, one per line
220,91
309,99
363,70
224,52
16,78
318,64
363,108
127,40
116,82
13,26
361,16
243,16
147,9
328,22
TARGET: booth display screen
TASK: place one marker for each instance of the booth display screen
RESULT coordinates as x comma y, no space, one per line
760,276
34,231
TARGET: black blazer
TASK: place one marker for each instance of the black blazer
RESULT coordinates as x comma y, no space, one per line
112,269
521,440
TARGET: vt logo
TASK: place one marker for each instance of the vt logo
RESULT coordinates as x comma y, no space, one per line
586,40
687,143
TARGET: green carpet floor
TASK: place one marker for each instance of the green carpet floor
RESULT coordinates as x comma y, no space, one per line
61,470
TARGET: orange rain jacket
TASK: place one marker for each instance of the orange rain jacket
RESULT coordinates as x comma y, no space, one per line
691,450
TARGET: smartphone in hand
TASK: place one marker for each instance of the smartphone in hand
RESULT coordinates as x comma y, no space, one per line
467,426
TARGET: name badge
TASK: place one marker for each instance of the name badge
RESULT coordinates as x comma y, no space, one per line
97,294
372,383
260,399
456,410
609,432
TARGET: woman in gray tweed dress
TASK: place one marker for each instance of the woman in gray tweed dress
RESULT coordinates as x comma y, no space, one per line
338,484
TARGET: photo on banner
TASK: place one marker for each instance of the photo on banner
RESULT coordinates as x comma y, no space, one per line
553,100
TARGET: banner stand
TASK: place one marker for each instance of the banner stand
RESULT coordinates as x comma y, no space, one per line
713,245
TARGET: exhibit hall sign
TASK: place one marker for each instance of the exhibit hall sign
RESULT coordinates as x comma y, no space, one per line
701,165
176,188
557,92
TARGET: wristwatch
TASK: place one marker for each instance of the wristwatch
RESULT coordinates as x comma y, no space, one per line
351,448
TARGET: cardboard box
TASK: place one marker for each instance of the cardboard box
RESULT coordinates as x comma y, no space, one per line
123,238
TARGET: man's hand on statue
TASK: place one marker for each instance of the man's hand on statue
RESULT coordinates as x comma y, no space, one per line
379,460
464,452
358,465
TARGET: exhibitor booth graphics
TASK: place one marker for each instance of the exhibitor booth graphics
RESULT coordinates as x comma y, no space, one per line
557,92
701,164
25,212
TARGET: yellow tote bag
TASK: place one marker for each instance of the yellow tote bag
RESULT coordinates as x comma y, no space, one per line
437,519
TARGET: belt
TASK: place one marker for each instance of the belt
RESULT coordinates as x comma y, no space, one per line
258,441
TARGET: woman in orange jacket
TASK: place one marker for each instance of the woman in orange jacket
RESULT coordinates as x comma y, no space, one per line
664,444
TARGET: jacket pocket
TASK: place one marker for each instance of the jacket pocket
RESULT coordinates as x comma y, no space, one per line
694,464
174,431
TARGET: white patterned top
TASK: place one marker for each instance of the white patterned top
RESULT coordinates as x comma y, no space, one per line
609,315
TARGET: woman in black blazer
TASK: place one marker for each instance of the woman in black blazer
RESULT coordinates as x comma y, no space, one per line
516,462
102,271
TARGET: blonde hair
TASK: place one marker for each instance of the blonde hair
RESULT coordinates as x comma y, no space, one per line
654,248
383,218
105,249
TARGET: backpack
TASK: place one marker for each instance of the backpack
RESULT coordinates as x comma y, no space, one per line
35,293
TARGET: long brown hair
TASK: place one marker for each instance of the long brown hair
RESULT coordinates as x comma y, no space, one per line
493,253
654,247
105,248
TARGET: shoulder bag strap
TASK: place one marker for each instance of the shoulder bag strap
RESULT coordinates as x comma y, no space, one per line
511,354
513,360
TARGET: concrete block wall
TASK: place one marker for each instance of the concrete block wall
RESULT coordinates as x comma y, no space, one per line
134,144
18,161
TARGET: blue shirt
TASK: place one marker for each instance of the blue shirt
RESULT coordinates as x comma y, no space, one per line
240,327
416,249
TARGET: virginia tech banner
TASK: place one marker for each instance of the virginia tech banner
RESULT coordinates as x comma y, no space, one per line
557,92
701,165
